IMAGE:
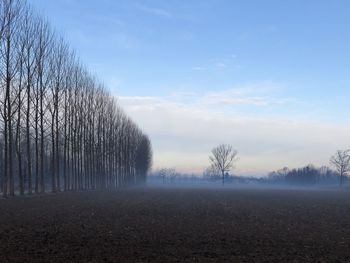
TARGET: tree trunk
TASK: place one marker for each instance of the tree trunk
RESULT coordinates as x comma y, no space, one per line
29,158
223,177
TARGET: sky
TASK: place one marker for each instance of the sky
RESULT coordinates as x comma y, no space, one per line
269,77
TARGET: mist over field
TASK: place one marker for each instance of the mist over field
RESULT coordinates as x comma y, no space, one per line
174,131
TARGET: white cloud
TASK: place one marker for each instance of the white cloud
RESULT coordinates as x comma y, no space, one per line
183,133
254,94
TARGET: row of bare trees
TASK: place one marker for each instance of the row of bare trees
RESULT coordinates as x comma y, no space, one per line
310,175
60,128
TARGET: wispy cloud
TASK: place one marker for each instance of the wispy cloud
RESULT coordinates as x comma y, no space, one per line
198,68
154,11
166,13
220,65
260,95
226,62
115,39
107,20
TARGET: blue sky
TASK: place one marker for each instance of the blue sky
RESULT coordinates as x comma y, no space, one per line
269,77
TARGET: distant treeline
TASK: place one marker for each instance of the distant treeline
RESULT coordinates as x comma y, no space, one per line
171,176
305,176
60,128
308,175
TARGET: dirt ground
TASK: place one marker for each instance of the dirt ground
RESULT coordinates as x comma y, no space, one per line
177,225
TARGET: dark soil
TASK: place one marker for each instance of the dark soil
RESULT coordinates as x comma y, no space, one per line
177,225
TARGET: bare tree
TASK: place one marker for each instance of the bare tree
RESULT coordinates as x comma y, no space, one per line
143,158
30,69
211,173
168,175
223,158
9,74
341,161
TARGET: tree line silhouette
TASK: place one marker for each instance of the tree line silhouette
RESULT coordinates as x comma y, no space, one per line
307,176
60,127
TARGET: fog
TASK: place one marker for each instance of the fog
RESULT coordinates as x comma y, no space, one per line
199,183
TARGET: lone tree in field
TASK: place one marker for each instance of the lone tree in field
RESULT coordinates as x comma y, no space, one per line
341,161
223,158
